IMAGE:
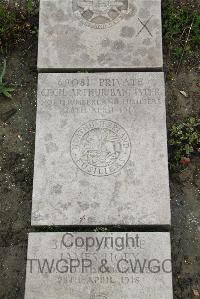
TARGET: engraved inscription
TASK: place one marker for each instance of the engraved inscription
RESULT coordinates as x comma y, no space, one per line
100,14
104,96
100,147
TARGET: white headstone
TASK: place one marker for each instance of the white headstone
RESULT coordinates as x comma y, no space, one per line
101,34
101,150
99,266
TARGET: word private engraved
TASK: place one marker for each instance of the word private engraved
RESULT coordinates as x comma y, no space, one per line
100,147
100,14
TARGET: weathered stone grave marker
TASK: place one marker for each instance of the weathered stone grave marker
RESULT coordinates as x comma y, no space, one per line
99,266
100,34
101,151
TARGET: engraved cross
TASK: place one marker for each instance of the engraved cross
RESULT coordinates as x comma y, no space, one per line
144,26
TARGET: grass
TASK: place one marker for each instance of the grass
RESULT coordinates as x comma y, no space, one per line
17,23
4,89
184,141
181,30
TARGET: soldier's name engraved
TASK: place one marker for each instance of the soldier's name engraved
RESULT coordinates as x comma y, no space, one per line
92,92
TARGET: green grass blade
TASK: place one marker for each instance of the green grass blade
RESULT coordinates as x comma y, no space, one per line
3,71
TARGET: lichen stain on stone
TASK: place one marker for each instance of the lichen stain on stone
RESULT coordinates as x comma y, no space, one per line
71,34
141,52
59,16
131,12
57,189
127,58
147,42
49,6
106,43
118,45
127,32
104,59
136,62
85,58
144,13
91,220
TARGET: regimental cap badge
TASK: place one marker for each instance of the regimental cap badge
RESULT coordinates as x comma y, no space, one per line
100,14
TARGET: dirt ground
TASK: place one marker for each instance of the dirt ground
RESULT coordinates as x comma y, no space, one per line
17,135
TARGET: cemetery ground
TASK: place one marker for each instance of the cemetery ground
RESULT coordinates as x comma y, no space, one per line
18,45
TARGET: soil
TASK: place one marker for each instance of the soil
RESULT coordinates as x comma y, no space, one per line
17,135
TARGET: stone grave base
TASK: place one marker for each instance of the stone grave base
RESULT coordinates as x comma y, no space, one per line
99,265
